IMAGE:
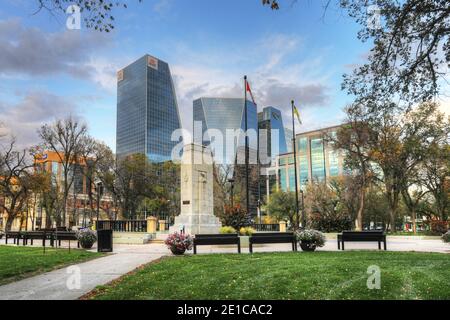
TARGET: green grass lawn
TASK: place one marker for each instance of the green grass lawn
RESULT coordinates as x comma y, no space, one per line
17,262
317,275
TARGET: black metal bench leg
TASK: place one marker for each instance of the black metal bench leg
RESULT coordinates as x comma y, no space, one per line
339,244
379,245
343,245
385,245
250,247
78,244
195,249
239,247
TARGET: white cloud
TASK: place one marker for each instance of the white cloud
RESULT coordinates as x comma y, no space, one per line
28,51
24,118
274,80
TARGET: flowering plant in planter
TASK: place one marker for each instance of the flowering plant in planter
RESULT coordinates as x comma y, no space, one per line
87,238
446,237
178,243
310,239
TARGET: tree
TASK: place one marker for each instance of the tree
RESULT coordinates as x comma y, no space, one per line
65,138
411,48
98,13
106,172
425,127
92,152
281,205
222,174
15,181
435,177
324,203
131,180
236,217
353,139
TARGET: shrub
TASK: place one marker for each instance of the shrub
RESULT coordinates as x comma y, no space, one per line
178,243
330,223
236,217
87,237
247,231
269,220
227,230
446,237
314,237
439,227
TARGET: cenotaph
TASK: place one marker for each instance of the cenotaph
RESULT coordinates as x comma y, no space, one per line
197,200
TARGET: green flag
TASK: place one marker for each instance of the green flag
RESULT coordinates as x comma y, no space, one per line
297,114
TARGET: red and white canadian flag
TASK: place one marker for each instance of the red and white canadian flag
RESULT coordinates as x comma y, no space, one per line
250,91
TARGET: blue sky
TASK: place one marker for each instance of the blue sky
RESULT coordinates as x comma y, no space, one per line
48,71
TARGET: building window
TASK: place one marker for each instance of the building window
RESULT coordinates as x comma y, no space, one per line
334,163
291,179
317,159
283,182
55,166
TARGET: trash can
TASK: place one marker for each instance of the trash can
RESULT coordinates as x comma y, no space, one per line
104,241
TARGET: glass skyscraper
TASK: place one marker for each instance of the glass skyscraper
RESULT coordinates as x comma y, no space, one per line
272,143
147,110
224,115
220,117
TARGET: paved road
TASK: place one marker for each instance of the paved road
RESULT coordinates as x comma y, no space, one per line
62,285
53,285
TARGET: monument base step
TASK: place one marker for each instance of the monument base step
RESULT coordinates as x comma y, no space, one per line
132,237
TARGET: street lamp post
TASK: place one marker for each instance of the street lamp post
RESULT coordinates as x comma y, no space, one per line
303,210
231,181
99,187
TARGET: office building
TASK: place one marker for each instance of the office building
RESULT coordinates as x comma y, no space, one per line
220,119
147,110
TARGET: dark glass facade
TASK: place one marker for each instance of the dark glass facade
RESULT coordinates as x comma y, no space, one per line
147,110
223,116
272,143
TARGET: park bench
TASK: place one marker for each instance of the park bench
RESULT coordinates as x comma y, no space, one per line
216,239
15,235
36,235
361,236
273,237
63,235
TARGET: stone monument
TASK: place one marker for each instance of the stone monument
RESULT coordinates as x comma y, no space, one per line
197,200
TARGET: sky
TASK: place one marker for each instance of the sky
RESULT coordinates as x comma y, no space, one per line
49,72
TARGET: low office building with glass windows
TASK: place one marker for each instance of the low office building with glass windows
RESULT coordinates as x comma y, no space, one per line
316,161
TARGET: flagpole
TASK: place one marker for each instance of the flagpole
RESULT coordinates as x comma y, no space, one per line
246,147
295,167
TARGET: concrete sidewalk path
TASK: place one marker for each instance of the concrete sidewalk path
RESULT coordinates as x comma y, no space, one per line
54,285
